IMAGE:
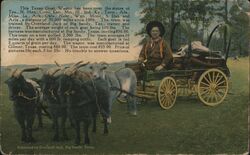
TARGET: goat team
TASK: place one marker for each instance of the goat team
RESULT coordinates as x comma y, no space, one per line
70,93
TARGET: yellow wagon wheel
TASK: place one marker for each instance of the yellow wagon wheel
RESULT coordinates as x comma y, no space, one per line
212,87
167,93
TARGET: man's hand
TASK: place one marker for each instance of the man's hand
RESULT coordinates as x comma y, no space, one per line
158,68
142,61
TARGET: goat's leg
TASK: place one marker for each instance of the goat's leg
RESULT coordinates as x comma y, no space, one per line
71,122
105,132
86,132
94,122
39,116
21,122
128,104
65,136
56,129
132,105
30,121
110,102
77,129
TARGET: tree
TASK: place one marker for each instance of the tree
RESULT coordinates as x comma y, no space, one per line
197,13
200,16
239,23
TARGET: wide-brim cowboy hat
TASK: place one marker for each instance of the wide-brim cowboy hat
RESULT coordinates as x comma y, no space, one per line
158,24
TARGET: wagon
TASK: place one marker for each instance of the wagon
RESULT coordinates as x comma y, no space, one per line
205,75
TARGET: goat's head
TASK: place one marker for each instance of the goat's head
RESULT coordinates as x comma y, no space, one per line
97,69
66,79
48,78
16,80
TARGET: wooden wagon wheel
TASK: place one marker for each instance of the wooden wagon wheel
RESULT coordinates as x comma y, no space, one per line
212,87
167,92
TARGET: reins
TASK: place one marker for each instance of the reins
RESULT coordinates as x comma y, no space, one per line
52,93
21,94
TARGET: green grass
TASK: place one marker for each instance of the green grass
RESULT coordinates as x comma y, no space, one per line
188,127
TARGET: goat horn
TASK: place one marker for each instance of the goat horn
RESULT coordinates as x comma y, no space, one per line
104,63
18,72
69,71
12,71
82,65
57,64
72,68
31,69
76,64
53,70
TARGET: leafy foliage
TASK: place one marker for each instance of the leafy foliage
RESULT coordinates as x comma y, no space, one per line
201,16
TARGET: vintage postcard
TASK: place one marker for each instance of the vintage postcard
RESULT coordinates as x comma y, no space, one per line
124,77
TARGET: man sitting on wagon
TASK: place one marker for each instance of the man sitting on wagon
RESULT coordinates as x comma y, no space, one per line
155,54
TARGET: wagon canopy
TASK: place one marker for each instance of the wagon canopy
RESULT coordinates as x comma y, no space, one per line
185,41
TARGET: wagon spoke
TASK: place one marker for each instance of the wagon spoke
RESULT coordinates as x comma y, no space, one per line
163,99
215,97
171,87
221,83
219,80
209,77
206,79
171,84
173,92
205,96
218,94
170,97
204,92
163,87
221,87
166,85
221,91
209,97
213,76
216,77
161,91
206,88
165,103
162,94
167,88
205,84
169,103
